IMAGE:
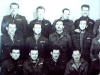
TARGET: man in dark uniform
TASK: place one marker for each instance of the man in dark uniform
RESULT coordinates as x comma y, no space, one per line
19,20
61,39
45,24
33,65
95,66
96,25
81,40
9,39
54,65
13,65
38,40
85,15
77,65
68,24
95,46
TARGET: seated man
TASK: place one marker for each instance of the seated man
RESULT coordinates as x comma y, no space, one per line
95,66
61,39
77,65
13,65
33,65
82,39
9,39
54,65
38,40
45,24
95,46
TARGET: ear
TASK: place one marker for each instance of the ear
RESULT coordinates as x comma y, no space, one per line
51,53
29,54
7,28
10,54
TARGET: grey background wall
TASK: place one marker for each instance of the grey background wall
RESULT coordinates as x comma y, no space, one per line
53,8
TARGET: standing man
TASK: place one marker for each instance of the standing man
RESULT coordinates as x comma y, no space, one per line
14,16
9,39
77,65
45,24
38,40
61,39
95,46
85,15
68,24
82,39
95,66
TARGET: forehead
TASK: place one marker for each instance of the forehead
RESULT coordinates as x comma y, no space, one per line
82,21
85,8
34,51
14,6
12,25
37,26
56,51
59,22
40,10
66,11
76,52
15,51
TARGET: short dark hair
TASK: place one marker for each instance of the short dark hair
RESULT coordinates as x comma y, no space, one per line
14,4
85,5
57,21
40,7
15,48
36,23
55,47
65,9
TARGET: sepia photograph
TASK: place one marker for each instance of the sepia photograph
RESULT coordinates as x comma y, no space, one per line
49,37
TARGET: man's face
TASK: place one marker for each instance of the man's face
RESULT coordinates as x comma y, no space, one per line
59,26
14,9
55,54
37,29
76,55
34,54
83,24
11,29
85,11
40,13
15,54
66,14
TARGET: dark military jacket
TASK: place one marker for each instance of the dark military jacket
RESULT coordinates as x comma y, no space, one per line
82,43
7,44
71,70
95,67
20,22
31,68
54,68
95,48
63,41
90,23
96,26
41,44
68,25
12,67
46,27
